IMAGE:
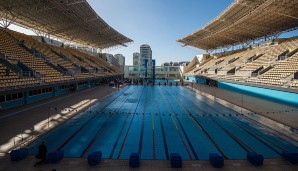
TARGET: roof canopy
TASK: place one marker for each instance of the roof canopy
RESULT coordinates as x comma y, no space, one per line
243,21
72,20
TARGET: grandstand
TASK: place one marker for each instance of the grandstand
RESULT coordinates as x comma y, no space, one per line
46,63
246,23
30,61
274,65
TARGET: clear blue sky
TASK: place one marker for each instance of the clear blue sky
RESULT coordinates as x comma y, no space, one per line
159,23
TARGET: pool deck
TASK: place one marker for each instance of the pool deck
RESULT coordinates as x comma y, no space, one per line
28,121
276,111
80,164
24,117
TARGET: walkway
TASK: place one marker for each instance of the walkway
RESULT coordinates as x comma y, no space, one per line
276,111
28,121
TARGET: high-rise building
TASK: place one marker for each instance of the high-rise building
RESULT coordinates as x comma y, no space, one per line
136,59
120,58
110,59
145,54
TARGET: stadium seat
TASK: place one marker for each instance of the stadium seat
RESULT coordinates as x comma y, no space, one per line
176,160
134,160
255,159
216,160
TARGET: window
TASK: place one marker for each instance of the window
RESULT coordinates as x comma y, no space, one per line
20,95
2,99
43,90
30,93
8,97
14,96
39,91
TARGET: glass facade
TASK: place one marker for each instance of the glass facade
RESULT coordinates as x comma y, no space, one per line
161,72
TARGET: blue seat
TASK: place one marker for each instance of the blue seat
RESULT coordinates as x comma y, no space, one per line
19,154
255,159
94,158
55,157
216,160
134,160
290,156
176,160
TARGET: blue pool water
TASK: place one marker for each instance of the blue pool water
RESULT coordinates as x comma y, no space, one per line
158,120
165,81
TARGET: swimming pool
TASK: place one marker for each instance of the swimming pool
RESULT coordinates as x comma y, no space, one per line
158,120
165,81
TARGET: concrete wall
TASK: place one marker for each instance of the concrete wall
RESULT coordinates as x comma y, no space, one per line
285,97
39,97
12,103
196,79
29,99
288,98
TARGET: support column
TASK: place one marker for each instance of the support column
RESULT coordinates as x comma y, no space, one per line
26,96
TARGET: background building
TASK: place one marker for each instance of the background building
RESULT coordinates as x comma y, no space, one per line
136,59
120,58
145,54
121,61
168,70
110,59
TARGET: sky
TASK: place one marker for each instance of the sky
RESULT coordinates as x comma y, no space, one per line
158,23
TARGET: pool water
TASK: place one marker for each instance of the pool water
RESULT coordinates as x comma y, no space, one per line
158,120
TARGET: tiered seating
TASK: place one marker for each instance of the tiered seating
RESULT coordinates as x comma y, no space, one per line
294,84
234,77
48,63
195,70
216,76
83,57
71,57
243,58
272,81
10,79
10,47
279,72
100,63
222,66
83,75
269,56
96,61
46,50
31,43
205,65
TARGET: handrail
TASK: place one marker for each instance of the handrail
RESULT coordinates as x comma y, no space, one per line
5,60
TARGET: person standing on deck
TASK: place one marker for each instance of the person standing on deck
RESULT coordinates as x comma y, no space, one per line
42,153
